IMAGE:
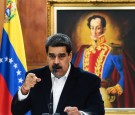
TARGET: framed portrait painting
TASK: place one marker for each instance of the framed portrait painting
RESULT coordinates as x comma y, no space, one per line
103,37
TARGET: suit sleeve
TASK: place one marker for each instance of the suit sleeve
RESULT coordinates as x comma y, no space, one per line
20,107
95,103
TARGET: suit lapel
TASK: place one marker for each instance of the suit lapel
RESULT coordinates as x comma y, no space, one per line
67,90
47,84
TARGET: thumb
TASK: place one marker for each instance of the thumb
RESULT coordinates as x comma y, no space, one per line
38,79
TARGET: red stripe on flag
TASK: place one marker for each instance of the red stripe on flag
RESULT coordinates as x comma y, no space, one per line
5,98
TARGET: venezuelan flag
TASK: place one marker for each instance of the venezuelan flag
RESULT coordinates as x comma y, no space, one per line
12,58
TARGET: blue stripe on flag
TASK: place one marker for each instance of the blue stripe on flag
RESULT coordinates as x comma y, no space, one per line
11,67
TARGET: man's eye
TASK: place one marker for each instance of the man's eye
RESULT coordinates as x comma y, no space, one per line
62,56
98,28
92,28
51,56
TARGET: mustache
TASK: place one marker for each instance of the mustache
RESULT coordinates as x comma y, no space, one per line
56,66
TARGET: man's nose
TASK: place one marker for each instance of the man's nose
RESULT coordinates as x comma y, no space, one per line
95,30
56,61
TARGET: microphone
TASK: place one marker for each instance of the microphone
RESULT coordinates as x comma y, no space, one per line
55,67
50,105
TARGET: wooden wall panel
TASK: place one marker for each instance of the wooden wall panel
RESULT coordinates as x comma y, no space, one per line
2,10
33,17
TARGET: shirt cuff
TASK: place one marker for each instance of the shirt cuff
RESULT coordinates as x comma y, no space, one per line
21,97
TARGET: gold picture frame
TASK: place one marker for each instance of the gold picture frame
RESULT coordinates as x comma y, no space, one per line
53,6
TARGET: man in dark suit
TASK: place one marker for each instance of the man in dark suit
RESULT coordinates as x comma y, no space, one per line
59,87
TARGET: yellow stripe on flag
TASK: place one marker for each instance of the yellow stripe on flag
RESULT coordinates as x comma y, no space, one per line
13,29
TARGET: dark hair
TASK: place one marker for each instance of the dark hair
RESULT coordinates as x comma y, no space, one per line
57,40
103,21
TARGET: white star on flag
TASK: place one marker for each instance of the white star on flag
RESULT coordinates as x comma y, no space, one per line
1,60
15,65
20,80
6,58
18,72
10,60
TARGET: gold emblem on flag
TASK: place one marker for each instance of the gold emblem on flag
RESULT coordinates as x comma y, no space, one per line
10,10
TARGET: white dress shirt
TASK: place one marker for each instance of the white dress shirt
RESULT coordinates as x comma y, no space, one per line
57,87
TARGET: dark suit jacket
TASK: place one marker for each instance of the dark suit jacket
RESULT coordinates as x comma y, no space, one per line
81,90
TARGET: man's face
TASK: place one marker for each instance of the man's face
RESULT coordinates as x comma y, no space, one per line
58,56
96,28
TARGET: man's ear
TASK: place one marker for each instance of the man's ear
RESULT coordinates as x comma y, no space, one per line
70,54
104,29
